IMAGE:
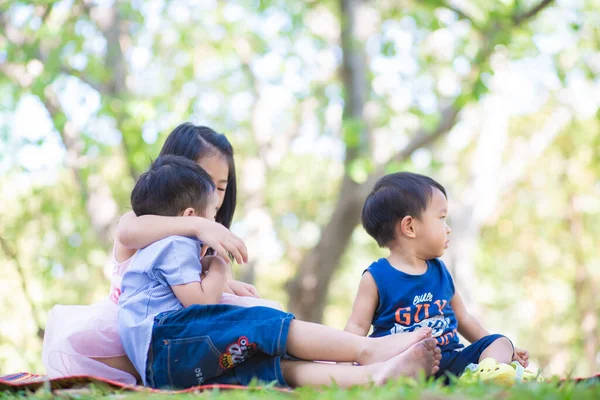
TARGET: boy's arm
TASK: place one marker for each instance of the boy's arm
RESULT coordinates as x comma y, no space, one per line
468,326
207,291
135,232
472,330
365,304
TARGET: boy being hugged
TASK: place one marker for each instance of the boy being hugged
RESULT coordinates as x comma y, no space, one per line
412,288
173,186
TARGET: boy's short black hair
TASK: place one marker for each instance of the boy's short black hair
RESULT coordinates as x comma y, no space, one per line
394,197
171,185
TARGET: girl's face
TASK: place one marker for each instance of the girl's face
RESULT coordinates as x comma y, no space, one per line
215,164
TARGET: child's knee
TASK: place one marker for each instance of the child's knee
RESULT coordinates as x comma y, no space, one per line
504,342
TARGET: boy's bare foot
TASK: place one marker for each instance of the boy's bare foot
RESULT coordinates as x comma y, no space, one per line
423,356
384,348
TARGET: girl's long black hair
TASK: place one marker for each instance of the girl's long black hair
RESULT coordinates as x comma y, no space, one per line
194,142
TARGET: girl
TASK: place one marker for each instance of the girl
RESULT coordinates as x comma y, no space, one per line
83,340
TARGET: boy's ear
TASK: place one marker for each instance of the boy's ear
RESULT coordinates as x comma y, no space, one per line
406,227
189,212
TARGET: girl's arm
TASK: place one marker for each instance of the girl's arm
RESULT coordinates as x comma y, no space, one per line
122,253
364,307
468,326
138,232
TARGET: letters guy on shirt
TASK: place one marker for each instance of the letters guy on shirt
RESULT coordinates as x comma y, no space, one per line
408,302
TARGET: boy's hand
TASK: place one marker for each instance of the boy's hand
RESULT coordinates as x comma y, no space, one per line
242,288
522,356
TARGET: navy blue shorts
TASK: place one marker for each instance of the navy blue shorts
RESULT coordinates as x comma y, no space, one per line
454,362
217,344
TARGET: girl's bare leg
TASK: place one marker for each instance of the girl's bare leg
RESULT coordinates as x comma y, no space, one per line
119,362
421,357
310,341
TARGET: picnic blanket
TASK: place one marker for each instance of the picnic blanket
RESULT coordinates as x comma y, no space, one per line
25,381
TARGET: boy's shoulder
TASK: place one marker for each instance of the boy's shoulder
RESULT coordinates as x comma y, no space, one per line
380,262
439,264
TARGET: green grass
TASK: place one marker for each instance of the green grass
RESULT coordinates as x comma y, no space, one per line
397,390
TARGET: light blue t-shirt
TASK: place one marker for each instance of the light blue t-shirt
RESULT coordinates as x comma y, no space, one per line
146,291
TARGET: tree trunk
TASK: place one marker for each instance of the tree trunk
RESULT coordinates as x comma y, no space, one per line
354,76
308,290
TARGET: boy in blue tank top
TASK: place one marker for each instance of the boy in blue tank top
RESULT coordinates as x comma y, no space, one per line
412,288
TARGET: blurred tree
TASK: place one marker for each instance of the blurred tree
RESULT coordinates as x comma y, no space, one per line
319,99
540,244
309,288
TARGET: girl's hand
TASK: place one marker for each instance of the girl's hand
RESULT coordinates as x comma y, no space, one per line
521,356
221,240
242,288
227,289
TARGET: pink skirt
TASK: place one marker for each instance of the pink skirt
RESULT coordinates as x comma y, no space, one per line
76,333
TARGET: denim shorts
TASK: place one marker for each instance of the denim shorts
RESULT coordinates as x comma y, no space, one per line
208,344
454,362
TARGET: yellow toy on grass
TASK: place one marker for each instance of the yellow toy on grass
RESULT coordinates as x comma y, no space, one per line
490,370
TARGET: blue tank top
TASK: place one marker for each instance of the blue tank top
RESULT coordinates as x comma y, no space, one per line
407,302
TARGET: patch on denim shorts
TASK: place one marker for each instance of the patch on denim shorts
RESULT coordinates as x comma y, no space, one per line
237,352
